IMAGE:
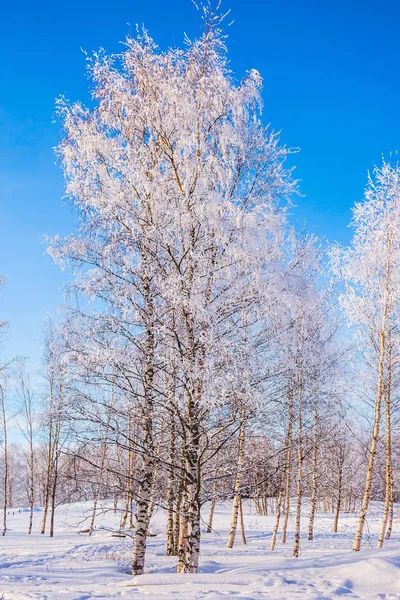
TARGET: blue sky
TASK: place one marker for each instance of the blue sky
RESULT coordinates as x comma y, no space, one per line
331,84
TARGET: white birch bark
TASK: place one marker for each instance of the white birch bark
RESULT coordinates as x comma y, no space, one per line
378,403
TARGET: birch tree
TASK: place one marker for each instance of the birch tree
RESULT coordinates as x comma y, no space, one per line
181,191
369,268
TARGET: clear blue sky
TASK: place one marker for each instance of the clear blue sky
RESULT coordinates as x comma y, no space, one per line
331,83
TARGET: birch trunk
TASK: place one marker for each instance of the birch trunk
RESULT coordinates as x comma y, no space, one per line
177,516
313,500
146,475
244,541
48,474
56,452
214,499
388,449
171,489
53,497
142,504
238,480
296,548
31,480
282,487
377,412
391,510
288,467
211,515
339,494
277,519
192,554
300,457
190,547
5,459
257,502
183,534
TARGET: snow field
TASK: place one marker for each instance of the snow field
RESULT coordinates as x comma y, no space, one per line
72,566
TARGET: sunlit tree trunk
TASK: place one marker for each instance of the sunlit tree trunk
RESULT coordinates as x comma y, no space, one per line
146,474
378,402
177,515
391,510
244,541
190,548
288,466
300,456
171,488
49,471
277,519
238,480
388,449
313,499
183,534
211,514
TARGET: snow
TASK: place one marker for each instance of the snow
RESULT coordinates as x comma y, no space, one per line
72,566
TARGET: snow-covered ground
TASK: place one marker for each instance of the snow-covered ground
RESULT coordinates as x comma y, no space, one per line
72,566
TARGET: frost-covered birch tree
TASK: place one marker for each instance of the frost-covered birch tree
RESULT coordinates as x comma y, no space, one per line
180,190
371,299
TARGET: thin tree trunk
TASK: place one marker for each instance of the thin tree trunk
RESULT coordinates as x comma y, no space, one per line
282,487
238,480
288,468
244,541
177,516
313,500
53,496
257,502
300,457
129,475
214,498
277,519
377,414
50,459
296,548
171,489
211,515
56,453
31,480
391,510
339,494
388,453
264,505
5,459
